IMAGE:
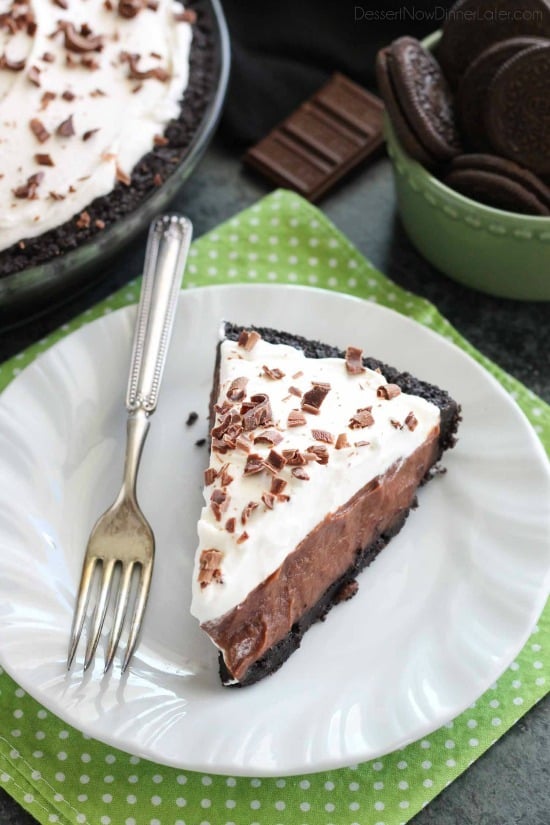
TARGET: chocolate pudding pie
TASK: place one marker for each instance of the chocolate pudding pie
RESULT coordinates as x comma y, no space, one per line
99,100
316,458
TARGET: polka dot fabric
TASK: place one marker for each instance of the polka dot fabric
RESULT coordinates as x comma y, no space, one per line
62,776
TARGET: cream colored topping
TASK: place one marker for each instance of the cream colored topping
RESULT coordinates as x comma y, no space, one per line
128,113
273,533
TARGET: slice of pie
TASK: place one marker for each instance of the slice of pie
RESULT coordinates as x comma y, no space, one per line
316,458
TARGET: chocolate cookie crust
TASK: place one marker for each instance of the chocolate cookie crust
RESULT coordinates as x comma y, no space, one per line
149,173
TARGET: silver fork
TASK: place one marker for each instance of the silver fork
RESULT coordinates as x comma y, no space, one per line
122,536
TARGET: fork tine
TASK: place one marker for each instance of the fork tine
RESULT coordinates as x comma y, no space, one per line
139,609
120,612
81,605
100,610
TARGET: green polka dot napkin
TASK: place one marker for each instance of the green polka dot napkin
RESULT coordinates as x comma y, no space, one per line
65,777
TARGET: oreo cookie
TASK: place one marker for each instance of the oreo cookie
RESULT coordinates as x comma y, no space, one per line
471,100
506,168
495,190
518,111
404,133
474,25
419,101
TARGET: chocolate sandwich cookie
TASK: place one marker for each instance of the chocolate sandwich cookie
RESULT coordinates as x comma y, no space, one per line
424,97
404,133
418,101
474,25
471,100
495,190
506,168
518,109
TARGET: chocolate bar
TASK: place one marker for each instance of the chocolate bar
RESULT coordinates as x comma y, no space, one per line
320,142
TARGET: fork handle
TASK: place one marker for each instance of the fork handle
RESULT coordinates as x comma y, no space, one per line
165,258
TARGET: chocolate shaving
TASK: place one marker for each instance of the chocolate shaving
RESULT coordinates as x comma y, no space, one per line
256,412
298,374
230,524
134,73
210,475
361,443
313,398
275,374
63,4
296,418
99,223
87,135
97,93
55,196
34,75
48,57
237,389
209,567
268,499
12,65
342,441
317,453
122,177
275,461
362,418
277,485
294,458
411,421
299,472
254,464
219,502
80,42
66,128
28,189
225,478
388,391
323,435
243,443
397,424
44,160
46,99
354,360
84,220
129,8
247,511
160,140
157,180
270,436
223,408
243,537
228,420
295,391
248,339
186,16
67,95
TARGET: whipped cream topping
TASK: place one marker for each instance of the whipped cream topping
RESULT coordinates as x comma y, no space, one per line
75,116
223,579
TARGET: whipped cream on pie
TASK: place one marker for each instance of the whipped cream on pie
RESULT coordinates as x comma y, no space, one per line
328,428
87,87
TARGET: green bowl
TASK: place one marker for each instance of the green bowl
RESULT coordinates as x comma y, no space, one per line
501,253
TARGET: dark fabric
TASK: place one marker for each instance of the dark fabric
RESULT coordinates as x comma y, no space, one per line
283,50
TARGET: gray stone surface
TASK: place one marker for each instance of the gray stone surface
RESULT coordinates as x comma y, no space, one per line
510,784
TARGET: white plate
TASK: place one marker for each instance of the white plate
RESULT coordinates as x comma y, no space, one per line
438,617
